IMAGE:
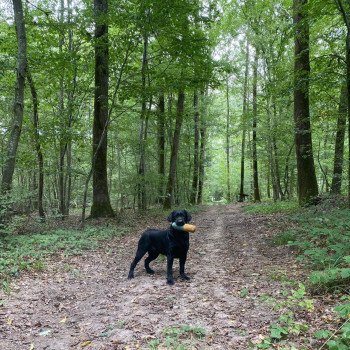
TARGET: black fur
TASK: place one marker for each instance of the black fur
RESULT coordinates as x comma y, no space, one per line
171,242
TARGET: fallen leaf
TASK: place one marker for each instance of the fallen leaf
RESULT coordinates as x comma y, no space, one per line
86,343
63,320
9,321
31,347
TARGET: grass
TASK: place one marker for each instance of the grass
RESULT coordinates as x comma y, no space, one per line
286,207
28,252
181,337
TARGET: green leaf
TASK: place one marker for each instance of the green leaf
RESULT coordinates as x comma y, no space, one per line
278,332
322,334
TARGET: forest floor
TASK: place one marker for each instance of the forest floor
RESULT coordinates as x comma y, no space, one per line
85,301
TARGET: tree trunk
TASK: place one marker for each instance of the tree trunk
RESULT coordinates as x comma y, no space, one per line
62,116
344,10
169,199
161,146
101,206
307,182
70,111
10,160
194,191
244,116
141,187
256,191
37,144
228,170
202,133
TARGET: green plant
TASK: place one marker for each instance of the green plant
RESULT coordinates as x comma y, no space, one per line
178,337
286,324
24,252
272,207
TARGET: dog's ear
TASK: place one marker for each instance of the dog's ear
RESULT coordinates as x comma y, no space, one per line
188,216
170,217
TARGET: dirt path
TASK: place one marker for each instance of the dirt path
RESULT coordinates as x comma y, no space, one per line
87,302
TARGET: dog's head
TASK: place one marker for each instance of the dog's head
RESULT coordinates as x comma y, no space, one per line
180,217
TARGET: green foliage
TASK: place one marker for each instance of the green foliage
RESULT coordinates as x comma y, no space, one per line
323,239
24,252
339,340
181,337
294,302
272,207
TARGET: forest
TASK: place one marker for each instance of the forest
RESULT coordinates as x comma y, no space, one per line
114,113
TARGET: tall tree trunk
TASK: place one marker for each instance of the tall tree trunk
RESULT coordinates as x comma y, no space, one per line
37,144
344,8
62,116
161,146
277,168
70,111
203,138
194,190
228,170
256,191
268,191
169,199
10,160
101,206
307,182
141,187
244,116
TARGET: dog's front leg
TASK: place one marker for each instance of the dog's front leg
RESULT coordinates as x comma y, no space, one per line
182,268
170,261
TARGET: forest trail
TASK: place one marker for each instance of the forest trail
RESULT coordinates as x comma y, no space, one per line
86,301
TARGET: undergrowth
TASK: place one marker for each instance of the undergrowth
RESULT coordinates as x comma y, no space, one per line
24,252
321,236
272,207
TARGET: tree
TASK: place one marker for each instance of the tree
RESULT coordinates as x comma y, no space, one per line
244,117
339,143
307,183
101,206
169,199
10,161
344,8
194,191
256,191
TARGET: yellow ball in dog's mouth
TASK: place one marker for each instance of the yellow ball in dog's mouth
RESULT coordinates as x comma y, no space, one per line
186,227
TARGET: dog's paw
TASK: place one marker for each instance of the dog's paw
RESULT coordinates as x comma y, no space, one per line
150,271
184,277
130,276
170,281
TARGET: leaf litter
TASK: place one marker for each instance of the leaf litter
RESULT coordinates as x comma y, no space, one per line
230,263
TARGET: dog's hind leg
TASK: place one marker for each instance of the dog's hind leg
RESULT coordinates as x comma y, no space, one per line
139,254
151,256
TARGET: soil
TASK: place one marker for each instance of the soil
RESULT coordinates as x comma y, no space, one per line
87,302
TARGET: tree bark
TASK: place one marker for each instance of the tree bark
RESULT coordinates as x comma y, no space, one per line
169,199
62,116
307,182
37,144
203,137
101,206
256,191
244,116
194,190
141,187
10,160
344,10
161,146
228,170
339,143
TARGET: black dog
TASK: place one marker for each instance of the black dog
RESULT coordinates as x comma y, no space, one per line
171,242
